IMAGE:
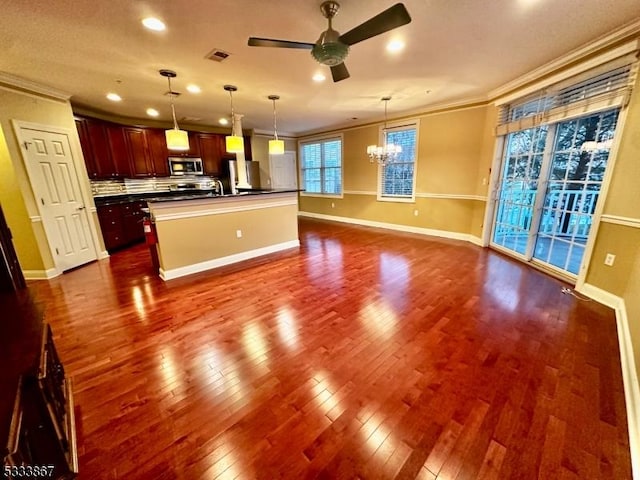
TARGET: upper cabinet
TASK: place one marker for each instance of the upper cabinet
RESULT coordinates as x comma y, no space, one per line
210,146
117,151
103,148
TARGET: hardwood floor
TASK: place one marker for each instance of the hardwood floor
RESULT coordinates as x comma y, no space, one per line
364,354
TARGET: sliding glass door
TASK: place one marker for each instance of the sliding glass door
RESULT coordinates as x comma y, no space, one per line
550,182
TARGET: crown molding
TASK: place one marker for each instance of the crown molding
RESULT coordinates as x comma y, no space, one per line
598,46
29,86
408,115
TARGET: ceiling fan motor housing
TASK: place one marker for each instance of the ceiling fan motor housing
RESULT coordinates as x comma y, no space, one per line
329,50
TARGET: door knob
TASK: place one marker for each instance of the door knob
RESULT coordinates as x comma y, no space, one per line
80,208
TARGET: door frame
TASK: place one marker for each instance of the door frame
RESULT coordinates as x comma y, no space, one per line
495,179
83,179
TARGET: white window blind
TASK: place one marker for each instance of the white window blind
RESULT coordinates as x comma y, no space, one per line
397,178
560,102
321,166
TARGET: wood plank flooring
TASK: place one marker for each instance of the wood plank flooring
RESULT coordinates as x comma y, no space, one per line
364,354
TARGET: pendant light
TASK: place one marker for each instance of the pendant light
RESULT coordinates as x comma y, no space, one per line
176,139
276,147
234,143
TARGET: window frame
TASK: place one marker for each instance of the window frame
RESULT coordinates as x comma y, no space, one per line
397,126
321,139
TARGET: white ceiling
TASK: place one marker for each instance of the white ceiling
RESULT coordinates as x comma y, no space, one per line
455,50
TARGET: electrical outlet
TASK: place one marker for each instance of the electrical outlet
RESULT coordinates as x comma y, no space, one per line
415,212
484,180
333,205
239,233
609,259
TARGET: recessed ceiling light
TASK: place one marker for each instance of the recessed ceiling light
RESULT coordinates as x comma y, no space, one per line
154,24
319,77
395,46
223,121
193,88
152,112
114,97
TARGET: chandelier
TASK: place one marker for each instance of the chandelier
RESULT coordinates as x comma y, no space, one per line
388,152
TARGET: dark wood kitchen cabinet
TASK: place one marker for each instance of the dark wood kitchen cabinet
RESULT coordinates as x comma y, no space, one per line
119,152
132,216
148,152
103,148
158,152
139,157
210,146
85,144
213,151
121,224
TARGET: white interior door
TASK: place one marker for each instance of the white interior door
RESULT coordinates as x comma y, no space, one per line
56,187
283,170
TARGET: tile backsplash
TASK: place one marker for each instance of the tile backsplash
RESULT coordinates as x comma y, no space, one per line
101,188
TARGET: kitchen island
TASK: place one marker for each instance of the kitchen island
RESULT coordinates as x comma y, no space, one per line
197,233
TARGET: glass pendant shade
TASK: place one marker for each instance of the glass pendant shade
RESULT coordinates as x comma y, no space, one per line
235,144
177,139
276,147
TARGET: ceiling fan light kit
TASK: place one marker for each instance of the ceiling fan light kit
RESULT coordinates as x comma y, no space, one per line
331,48
176,139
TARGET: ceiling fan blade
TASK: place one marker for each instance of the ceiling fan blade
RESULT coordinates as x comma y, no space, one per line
268,42
392,17
339,72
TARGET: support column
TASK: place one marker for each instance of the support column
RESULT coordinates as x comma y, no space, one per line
240,160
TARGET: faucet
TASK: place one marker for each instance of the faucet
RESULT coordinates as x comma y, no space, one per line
220,187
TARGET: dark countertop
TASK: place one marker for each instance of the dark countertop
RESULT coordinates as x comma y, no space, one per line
180,195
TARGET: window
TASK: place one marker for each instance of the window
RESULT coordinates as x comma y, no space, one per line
397,179
321,166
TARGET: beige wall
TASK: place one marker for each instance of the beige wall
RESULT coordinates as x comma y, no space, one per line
623,200
631,297
455,149
16,196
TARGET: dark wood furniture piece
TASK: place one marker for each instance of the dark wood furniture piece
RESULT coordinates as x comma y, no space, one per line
37,423
11,278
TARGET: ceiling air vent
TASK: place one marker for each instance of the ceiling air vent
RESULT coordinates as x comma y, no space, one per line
190,119
217,55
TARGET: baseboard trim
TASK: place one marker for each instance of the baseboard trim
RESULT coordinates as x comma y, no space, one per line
103,254
629,371
394,226
40,274
228,260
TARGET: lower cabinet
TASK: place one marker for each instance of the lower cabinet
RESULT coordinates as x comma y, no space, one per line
42,437
121,224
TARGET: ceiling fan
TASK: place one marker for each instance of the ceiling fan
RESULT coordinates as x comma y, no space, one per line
332,48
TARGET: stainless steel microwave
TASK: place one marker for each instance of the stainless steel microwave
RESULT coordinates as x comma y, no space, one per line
185,166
